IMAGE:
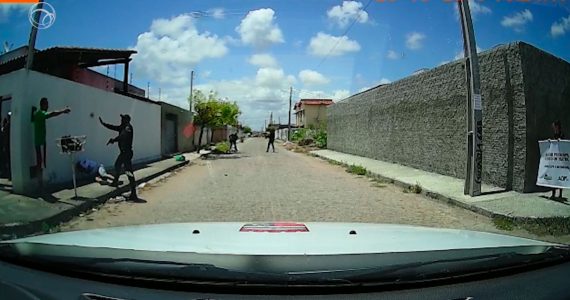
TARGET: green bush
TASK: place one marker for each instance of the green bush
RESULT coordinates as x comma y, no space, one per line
300,134
222,147
321,138
358,170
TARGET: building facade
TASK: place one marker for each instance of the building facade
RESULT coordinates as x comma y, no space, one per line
311,112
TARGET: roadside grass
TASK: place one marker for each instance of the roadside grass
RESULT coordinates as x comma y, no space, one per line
413,189
503,223
356,169
46,228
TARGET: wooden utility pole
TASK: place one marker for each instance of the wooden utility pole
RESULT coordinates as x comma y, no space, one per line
191,89
289,126
474,105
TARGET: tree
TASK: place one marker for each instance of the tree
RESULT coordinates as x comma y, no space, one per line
247,130
213,112
206,111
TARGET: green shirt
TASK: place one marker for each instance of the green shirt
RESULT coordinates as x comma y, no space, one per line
39,120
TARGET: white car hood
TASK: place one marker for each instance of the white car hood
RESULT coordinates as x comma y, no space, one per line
318,239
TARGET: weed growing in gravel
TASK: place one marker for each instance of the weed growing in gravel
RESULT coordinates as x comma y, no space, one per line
358,170
503,223
416,189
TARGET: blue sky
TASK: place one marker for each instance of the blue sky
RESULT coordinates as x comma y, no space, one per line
252,51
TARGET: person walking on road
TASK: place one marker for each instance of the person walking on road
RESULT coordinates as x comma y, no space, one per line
125,141
557,135
271,137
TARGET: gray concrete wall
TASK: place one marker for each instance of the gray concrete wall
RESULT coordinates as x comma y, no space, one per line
420,121
547,91
184,119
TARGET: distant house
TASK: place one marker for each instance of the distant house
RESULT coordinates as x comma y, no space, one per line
311,112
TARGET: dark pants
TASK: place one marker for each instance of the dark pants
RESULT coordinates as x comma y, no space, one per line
233,145
270,143
125,160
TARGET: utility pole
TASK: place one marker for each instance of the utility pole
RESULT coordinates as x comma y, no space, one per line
148,89
131,81
33,35
289,124
159,91
474,105
191,89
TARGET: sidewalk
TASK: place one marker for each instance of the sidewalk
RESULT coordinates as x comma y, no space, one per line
494,201
21,215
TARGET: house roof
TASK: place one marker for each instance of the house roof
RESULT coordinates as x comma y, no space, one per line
314,102
64,55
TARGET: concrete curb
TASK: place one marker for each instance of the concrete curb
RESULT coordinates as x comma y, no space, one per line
564,221
11,231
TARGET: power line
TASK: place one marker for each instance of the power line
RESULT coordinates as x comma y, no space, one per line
344,34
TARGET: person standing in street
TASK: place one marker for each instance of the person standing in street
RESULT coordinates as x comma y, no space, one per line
39,118
125,141
557,135
233,141
271,137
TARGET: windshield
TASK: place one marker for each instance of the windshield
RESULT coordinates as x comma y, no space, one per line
284,116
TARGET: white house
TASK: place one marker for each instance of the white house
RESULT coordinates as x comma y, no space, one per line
61,74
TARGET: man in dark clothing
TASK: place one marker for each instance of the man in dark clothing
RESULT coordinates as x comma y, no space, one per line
233,141
271,137
558,135
125,141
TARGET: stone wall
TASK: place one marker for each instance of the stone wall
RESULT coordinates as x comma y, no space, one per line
420,121
547,93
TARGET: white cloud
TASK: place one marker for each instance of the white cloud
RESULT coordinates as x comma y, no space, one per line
272,78
171,48
259,29
393,55
340,94
414,40
382,81
517,21
461,54
310,77
263,60
344,14
560,28
217,13
6,9
324,44
475,8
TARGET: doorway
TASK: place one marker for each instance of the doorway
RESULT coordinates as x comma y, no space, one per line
5,142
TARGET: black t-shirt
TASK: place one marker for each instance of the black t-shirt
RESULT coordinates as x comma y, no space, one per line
125,138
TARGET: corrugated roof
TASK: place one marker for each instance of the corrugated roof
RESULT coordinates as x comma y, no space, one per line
67,54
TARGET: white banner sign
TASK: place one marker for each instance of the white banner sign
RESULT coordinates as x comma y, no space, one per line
554,167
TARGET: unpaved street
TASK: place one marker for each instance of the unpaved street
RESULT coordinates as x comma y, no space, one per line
282,186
